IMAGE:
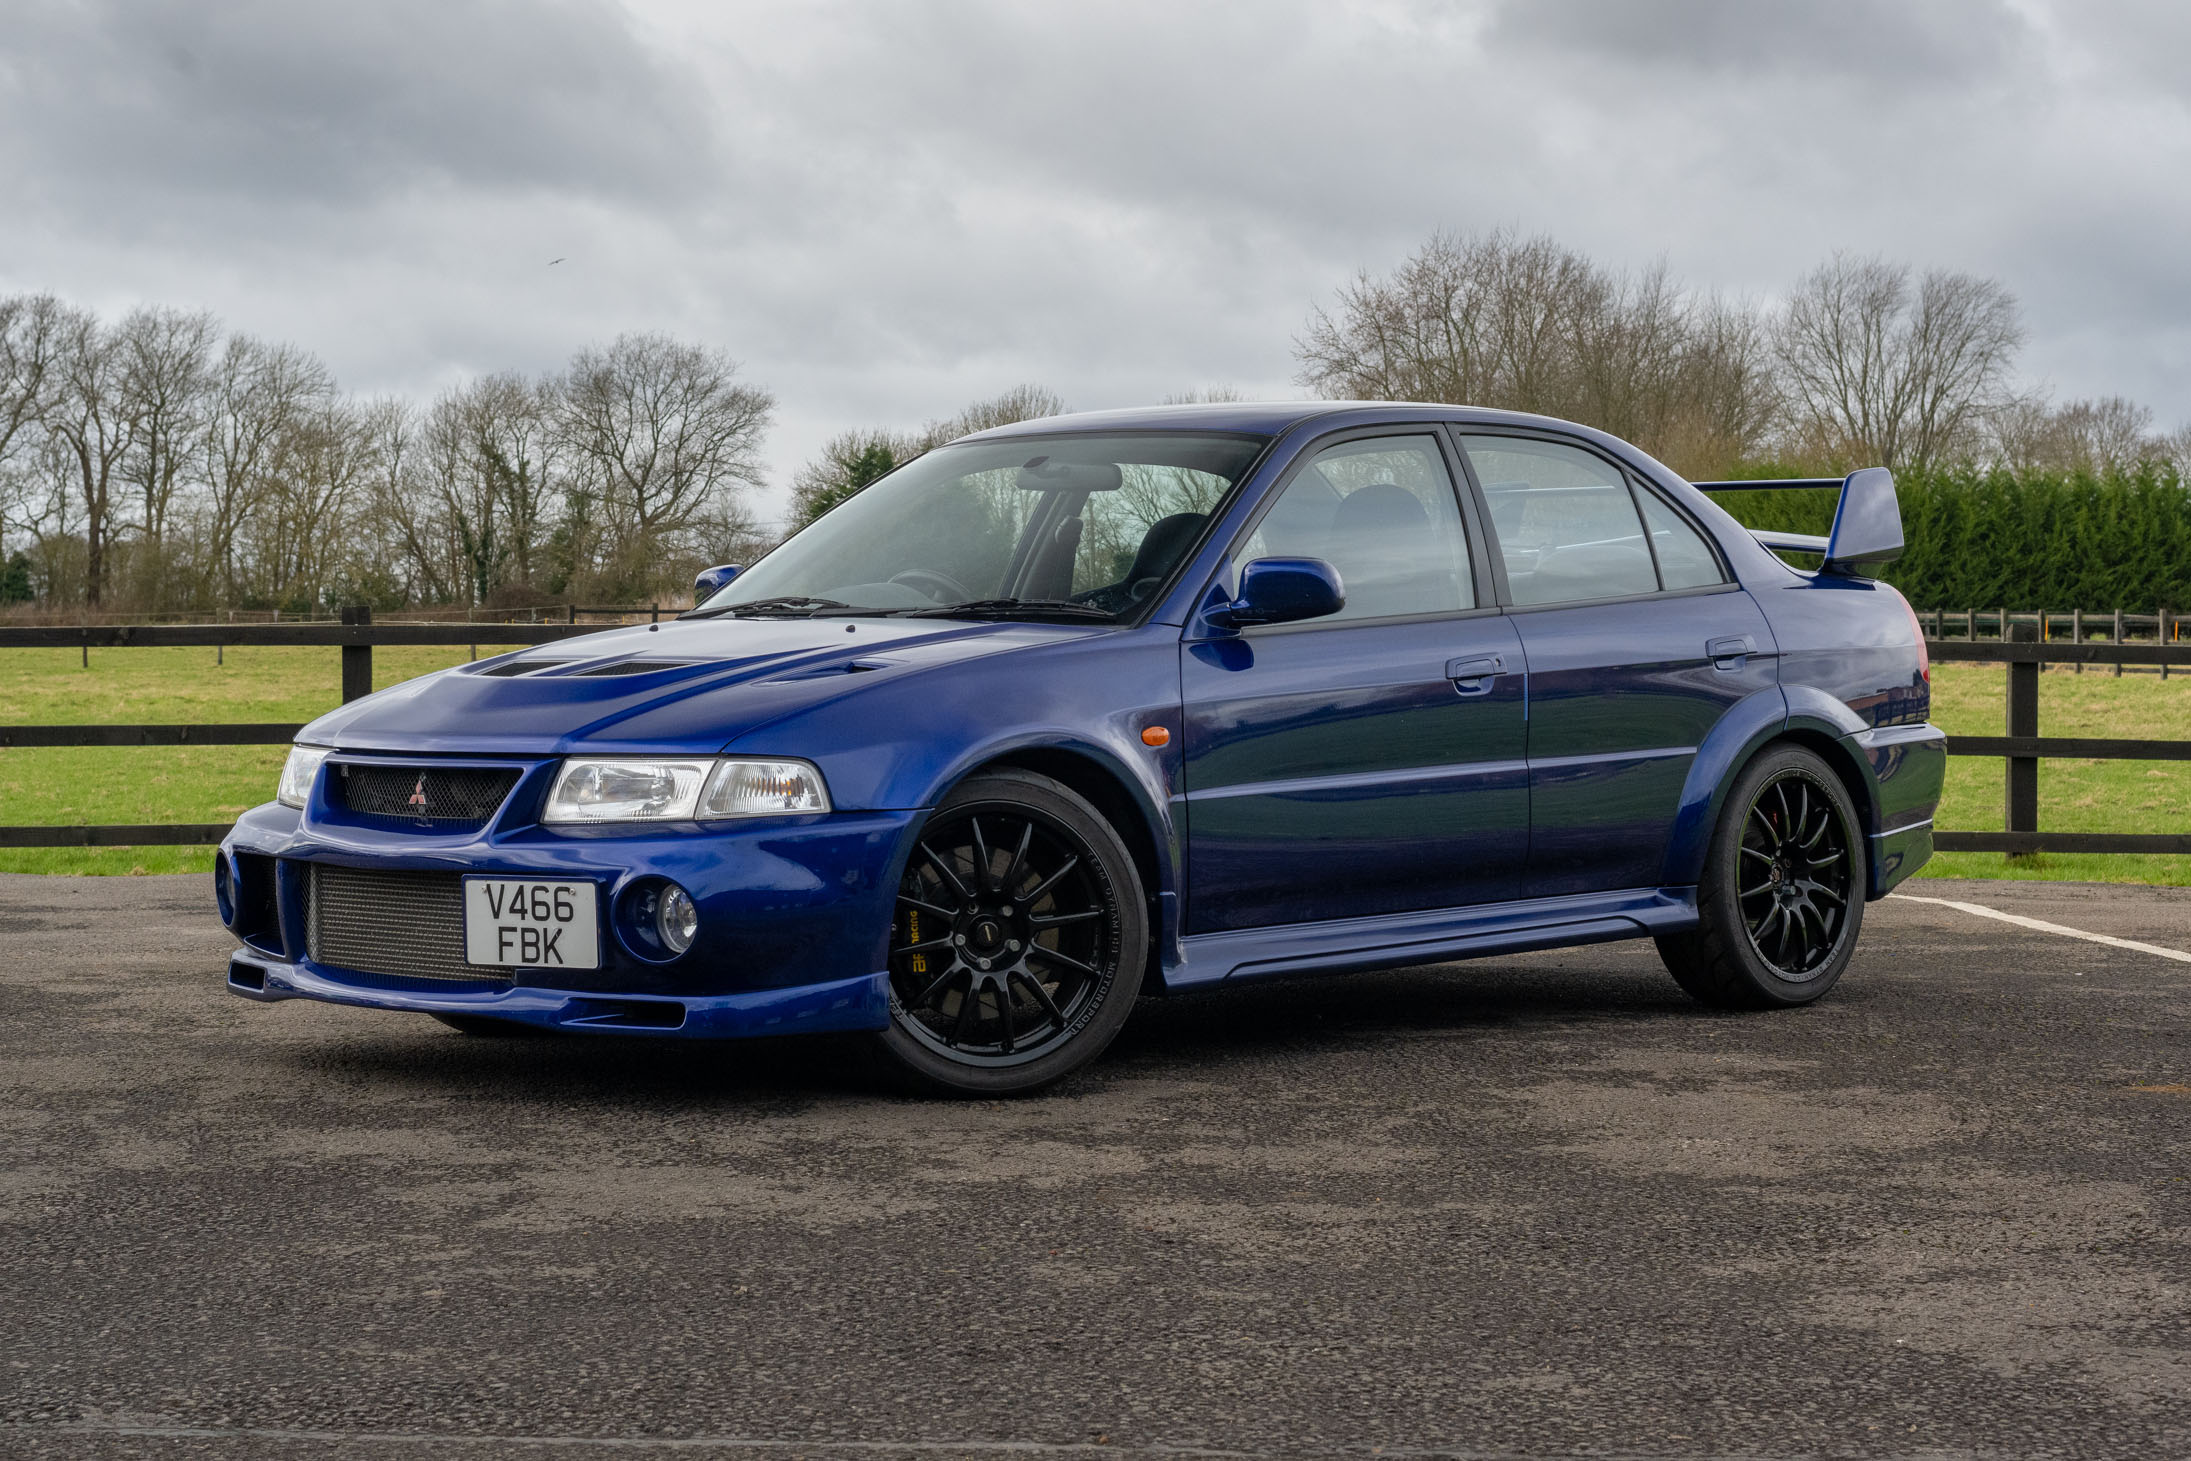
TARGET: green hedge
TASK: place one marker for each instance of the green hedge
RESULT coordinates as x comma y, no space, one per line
2027,541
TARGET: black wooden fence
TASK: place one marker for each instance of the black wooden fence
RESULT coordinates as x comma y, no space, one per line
356,636
2022,748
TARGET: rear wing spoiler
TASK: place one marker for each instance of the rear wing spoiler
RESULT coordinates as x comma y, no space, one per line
1867,522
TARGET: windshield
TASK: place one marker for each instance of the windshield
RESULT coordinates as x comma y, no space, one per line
1064,526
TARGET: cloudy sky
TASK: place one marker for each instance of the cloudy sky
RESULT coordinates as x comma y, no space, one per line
888,209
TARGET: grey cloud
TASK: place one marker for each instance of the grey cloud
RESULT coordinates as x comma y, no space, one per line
336,104
1877,41
888,210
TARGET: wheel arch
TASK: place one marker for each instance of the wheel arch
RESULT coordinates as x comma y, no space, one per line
1146,831
1753,727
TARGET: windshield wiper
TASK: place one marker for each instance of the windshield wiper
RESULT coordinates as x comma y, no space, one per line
1012,609
783,604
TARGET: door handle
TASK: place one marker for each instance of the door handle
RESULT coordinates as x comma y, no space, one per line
1473,675
1730,653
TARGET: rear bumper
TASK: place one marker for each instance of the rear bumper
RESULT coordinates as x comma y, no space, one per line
858,1003
1908,765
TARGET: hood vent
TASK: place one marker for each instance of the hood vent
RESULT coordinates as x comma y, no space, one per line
635,667
823,672
521,667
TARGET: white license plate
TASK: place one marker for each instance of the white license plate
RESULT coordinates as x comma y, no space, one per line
528,924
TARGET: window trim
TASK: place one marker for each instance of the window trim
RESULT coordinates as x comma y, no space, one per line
1459,430
1472,536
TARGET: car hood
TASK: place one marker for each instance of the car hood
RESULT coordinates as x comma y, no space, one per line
688,687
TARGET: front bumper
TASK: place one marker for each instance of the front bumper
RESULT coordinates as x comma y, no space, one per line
859,1003
795,915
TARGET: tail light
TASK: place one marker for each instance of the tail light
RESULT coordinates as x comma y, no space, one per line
1924,651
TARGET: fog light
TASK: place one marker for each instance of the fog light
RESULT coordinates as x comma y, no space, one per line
676,920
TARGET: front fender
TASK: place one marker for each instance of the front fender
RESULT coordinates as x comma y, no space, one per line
1140,777
1748,724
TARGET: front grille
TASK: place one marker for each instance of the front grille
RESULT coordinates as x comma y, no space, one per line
451,798
385,921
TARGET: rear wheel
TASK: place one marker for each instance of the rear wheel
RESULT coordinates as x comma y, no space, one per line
1782,898
1019,939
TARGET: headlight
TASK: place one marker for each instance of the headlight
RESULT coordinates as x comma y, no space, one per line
297,775
762,788
650,789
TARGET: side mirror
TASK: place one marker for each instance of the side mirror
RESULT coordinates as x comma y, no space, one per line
711,579
1281,590
1867,525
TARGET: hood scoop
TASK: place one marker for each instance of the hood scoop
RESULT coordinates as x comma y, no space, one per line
512,667
634,667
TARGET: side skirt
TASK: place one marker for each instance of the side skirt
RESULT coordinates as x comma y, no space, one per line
1396,940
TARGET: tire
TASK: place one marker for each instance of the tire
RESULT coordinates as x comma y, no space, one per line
1018,942
489,1028
1785,937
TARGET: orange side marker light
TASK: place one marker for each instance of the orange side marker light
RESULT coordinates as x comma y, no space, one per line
1155,735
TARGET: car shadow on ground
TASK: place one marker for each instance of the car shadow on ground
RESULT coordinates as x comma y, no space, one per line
1186,1036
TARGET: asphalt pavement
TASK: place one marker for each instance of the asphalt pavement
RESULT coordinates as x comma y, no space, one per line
1531,1206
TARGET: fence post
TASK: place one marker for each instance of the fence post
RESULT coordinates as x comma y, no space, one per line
357,659
2021,812
2160,635
2076,632
2004,626
2115,637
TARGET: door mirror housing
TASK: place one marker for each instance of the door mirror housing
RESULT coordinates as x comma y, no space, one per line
711,579
1281,590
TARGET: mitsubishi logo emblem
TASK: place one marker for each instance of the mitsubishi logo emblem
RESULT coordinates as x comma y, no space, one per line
418,793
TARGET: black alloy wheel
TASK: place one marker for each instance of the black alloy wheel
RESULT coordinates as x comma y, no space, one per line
1781,901
1795,864
1018,940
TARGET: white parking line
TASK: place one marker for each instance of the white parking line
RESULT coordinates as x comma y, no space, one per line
2044,927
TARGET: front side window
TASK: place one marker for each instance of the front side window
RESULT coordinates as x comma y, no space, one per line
1382,511
1565,521
1086,526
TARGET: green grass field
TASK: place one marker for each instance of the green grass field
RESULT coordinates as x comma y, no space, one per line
214,783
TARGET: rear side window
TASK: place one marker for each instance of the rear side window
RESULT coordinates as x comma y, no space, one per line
1383,512
1684,561
1566,524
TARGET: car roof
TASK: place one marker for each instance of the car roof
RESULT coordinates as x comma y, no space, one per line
1267,418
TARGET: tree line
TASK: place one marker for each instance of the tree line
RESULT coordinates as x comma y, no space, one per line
1865,362
158,462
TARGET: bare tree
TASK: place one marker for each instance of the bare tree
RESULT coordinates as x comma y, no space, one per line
256,399
1526,325
1881,370
2107,434
664,430
851,460
30,338
86,414
164,357
29,341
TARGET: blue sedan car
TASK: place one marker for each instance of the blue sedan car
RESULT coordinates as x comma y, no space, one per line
1125,704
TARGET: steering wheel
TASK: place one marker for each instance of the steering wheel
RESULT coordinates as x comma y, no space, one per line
928,581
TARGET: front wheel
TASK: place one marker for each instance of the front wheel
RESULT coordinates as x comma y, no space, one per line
1782,897
1019,939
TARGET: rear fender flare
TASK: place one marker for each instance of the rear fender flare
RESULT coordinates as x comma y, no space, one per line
1741,733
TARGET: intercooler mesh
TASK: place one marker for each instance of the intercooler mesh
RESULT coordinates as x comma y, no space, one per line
384,921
